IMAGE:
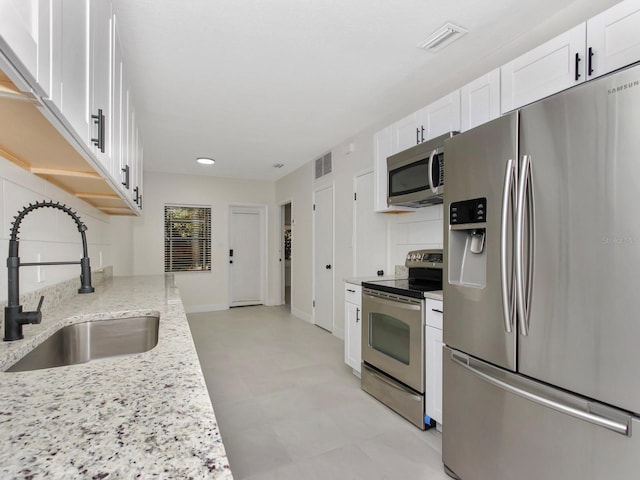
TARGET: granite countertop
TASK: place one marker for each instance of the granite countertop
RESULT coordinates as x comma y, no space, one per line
434,295
138,416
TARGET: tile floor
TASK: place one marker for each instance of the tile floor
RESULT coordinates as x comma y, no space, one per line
289,408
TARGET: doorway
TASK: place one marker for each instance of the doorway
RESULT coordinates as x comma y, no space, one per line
285,253
246,255
323,258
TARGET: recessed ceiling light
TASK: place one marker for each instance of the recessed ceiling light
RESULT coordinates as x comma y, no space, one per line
205,161
442,37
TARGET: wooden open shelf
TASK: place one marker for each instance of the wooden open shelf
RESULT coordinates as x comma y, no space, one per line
29,140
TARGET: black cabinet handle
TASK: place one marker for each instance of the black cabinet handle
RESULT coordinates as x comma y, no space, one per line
417,136
422,134
577,77
125,170
99,121
590,62
136,199
349,290
357,314
436,310
328,267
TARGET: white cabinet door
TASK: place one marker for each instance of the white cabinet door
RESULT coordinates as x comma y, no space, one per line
383,146
25,32
433,373
119,108
433,359
19,31
480,100
553,66
406,133
441,116
101,86
70,53
353,327
139,175
613,38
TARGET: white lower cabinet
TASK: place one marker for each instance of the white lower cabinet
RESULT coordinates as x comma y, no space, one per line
353,326
433,361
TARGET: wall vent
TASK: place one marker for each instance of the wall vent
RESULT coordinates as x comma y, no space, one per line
323,165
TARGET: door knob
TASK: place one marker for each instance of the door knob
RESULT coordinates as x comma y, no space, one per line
328,267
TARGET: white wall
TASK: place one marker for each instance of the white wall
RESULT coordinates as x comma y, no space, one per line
414,231
297,189
48,232
201,291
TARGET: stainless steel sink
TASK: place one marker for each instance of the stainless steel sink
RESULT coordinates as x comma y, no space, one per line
83,342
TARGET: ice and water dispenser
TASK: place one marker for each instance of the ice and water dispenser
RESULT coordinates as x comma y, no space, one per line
467,237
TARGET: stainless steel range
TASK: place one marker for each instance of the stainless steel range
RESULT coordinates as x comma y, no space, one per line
393,335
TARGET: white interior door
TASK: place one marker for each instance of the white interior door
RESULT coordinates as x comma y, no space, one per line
245,256
370,230
323,259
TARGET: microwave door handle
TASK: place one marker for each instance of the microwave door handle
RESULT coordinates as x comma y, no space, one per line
434,189
507,300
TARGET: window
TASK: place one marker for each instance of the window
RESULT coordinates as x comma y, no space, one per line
187,238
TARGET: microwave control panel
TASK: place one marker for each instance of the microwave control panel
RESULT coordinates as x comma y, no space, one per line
468,211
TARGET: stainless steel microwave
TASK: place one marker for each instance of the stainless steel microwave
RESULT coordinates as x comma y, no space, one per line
416,175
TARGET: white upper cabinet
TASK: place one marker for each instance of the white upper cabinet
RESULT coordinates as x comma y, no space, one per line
119,111
408,132
607,42
25,30
70,53
553,66
442,116
613,38
101,87
480,100
435,119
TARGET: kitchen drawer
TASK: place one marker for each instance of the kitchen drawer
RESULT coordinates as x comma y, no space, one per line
434,313
353,293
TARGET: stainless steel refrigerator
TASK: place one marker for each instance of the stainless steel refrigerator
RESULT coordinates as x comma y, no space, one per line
541,368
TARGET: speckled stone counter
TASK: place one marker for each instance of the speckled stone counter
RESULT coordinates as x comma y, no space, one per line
434,295
140,416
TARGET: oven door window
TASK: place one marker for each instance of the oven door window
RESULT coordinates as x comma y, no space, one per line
410,178
390,336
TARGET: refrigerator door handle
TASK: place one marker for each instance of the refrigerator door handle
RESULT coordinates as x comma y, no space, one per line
507,300
621,424
521,303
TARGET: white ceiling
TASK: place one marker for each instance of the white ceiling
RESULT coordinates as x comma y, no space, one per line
252,83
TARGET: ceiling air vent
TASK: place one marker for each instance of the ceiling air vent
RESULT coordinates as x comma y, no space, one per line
323,165
442,37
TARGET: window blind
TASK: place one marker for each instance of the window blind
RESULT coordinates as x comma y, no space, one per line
187,238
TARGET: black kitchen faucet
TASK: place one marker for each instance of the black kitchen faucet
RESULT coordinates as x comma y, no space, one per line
14,317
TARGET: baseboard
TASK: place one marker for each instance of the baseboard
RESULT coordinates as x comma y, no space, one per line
301,315
205,308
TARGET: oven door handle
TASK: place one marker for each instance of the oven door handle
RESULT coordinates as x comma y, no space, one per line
400,303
